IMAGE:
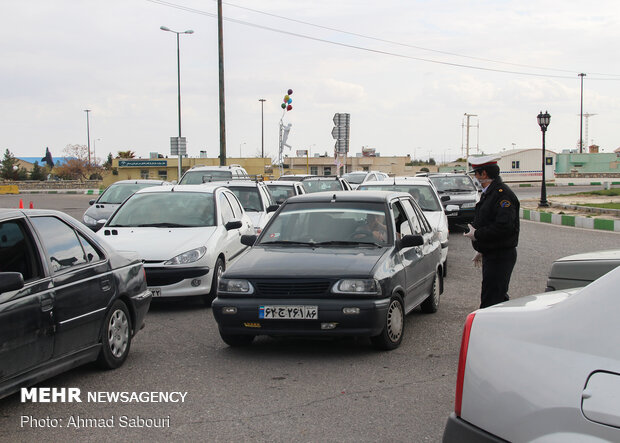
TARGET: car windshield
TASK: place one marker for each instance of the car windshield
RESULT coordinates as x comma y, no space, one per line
329,224
199,177
453,184
249,198
423,194
355,177
119,192
279,193
321,185
166,210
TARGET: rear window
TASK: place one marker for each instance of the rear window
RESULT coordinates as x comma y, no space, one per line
199,177
424,195
118,193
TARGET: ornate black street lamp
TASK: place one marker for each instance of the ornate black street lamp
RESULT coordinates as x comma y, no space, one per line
543,122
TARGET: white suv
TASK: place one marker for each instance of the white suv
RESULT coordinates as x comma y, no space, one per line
205,174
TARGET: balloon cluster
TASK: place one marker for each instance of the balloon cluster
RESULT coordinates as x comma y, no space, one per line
286,104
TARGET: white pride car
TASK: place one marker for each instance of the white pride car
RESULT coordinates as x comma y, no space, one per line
186,236
541,368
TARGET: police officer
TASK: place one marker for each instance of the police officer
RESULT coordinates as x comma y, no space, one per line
495,231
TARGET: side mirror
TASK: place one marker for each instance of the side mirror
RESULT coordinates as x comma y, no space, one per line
272,208
451,208
11,281
100,224
91,202
248,240
234,224
445,198
409,241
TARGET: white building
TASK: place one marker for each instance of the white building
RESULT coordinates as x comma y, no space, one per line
525,165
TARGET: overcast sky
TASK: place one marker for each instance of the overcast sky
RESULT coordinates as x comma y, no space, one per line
405,70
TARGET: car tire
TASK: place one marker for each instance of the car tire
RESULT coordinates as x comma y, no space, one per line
218,270
237,340
392,334
431,303
115,337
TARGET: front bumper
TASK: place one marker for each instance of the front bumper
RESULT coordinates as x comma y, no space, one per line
369,322
458,430
177,282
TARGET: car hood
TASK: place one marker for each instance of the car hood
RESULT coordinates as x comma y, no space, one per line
157,244
305,261
438,222
460,197
613,254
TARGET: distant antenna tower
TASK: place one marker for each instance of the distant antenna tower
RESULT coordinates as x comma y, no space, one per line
463,125
587,116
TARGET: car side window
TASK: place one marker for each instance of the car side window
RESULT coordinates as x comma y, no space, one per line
236,206
18,252
400,220
266,196
61,243
371,178
418,225
226,209
91,253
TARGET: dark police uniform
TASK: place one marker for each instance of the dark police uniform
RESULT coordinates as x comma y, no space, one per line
497,233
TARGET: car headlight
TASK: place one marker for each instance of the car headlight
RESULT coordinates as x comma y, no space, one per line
468,205
187,257
89,220
368,286
236,286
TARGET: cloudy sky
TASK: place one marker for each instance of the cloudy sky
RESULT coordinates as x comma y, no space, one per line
405,70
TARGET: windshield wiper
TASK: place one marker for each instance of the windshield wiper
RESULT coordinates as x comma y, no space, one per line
162,225
345,243
287,242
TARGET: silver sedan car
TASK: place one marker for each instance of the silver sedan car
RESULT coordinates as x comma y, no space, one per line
541,368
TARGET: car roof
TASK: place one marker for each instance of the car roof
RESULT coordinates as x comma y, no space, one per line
400,181
320,177
348,196
205,188
214,167
280,182
236,183
138,181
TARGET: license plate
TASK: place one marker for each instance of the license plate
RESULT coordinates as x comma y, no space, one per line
156,291
288,312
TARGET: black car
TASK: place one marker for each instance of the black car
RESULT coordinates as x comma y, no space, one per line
65,298
457,189
333,264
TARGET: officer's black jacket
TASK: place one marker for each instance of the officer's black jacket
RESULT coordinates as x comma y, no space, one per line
497,218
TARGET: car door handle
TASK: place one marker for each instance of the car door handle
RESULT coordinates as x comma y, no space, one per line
47,304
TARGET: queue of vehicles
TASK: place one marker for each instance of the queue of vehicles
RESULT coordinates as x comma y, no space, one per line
311,268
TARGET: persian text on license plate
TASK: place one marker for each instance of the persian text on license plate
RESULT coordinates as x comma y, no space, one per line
156,291
289,312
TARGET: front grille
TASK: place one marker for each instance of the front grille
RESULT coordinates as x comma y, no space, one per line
170,276
271,288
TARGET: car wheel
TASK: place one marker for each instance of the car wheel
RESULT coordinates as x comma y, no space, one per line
116,337
218,270
431,303
237,340
392,334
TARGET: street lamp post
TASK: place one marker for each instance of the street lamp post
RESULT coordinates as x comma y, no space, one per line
543,122
87,111
189,31
262,128
582,75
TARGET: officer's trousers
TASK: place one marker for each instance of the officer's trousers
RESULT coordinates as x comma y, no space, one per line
496,271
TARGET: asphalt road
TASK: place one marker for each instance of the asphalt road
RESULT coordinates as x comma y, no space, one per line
291,389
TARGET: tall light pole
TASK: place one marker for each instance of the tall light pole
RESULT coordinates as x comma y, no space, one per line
582,75
189,31
87,111
262,128
543,122
220,51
